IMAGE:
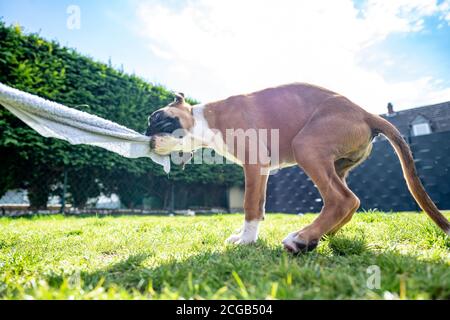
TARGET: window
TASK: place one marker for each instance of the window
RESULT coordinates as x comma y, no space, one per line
421,129
420,126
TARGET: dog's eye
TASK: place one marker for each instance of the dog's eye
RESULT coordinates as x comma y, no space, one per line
154,116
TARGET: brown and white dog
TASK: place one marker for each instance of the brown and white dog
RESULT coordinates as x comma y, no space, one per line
321,131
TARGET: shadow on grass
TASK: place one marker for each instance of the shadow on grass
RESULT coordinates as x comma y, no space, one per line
316,275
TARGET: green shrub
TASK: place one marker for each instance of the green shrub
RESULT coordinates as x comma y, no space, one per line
28,160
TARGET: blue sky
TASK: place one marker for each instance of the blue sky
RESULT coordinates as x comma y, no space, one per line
371,51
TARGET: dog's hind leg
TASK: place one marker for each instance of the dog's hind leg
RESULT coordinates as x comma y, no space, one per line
316,151
338,200
343,167
254,202
342,174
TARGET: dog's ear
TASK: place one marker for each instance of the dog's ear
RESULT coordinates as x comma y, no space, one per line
179,98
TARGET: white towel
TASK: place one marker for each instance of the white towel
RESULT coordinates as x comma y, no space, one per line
55,120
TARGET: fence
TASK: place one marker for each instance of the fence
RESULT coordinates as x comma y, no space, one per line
378,181
77,191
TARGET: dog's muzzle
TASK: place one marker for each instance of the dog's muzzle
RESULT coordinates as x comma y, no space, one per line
161,123
152,142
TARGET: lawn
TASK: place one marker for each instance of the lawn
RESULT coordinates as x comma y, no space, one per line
161,257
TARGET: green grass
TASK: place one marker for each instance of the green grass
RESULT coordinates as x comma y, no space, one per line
143,257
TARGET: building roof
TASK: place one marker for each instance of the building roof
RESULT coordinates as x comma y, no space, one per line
438,115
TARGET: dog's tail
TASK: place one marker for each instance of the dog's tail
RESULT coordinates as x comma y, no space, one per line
380,125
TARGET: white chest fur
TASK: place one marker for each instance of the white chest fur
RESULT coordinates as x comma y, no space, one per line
205,136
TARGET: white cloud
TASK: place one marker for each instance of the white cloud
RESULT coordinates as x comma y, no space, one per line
444,7
220,48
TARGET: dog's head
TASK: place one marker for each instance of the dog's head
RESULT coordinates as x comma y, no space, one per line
167,126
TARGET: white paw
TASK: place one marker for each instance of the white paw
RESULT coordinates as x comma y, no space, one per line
294,244
240,239
289,242
249,234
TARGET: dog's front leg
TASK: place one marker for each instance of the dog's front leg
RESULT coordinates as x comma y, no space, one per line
254,201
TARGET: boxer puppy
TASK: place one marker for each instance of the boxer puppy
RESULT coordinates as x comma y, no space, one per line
323,132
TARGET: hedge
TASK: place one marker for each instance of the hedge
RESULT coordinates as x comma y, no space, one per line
30,63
